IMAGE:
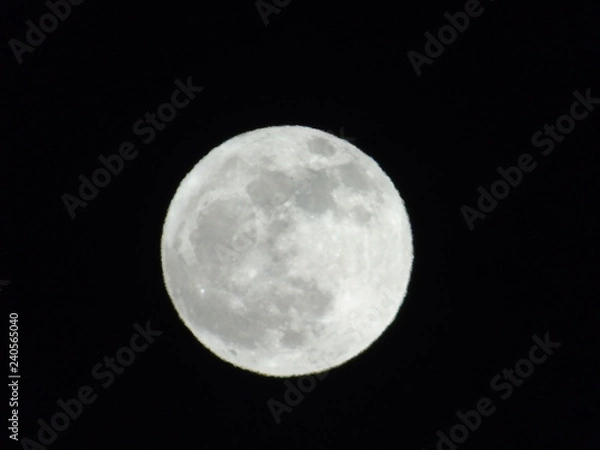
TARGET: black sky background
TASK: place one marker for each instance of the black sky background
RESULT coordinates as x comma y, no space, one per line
475,298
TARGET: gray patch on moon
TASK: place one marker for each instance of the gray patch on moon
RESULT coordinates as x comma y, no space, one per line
361,215
354,176
234,165
317,198
321,147
270,188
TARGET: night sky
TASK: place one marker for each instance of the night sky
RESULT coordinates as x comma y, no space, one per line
491,138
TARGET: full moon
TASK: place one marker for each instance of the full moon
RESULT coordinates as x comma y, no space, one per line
287,251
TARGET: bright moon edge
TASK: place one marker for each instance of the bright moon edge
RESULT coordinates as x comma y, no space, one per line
243,305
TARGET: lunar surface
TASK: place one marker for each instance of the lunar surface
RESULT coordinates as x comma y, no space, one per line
287,251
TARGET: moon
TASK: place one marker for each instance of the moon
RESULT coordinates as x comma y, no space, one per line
287,251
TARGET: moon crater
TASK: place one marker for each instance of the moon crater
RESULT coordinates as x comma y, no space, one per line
279,244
